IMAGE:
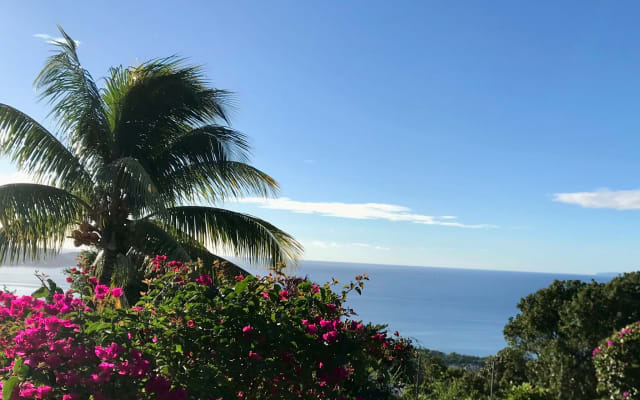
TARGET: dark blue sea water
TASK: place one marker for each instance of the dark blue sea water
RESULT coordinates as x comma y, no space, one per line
459,310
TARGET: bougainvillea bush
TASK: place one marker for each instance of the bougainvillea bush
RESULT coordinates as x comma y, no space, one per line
617,362
196,336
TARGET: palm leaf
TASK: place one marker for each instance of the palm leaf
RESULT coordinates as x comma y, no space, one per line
198,251
210,143
149,104
35,219
245,236
215,181
17,244
32,202
127,178
150,238
76,102
39,152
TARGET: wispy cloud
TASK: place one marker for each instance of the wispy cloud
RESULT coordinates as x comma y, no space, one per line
309,161
388,212
603,198
325,245
51,39
371,246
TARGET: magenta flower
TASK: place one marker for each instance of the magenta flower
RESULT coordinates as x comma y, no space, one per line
205,280
330,337
312,329
43,392
255,356
101,291
117,292
248,329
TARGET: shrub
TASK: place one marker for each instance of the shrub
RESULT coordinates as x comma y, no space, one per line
617,363
526,391
196,336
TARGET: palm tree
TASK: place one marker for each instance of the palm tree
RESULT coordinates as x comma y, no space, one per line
130,160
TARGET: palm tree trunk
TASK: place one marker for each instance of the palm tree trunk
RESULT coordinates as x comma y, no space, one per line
109,263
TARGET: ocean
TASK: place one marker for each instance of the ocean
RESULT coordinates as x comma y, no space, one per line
445,309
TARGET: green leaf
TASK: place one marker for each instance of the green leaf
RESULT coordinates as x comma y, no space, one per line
246,236
8,386
41,292
179,348
19,368
241,286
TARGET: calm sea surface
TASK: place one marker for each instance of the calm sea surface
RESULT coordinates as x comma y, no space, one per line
445,309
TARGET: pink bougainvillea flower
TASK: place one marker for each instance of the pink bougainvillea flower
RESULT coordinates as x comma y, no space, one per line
205,280
312,329
43,392
239,278
284,295
330,337
93,280
255,356
117,292
248,329
190,323
101,291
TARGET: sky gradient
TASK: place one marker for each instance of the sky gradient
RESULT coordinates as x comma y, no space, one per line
497,135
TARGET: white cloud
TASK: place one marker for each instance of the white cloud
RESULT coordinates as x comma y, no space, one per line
603,198
388,212
17,177
325,245
53,40
370,246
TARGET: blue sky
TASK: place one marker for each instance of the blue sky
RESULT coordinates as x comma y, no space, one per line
380,118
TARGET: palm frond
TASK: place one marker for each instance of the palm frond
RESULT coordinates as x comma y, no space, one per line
128,179
35,219
30,202
149,238
243,235
210,143
37,151
215,181
197,251
17,244
149,104
76,102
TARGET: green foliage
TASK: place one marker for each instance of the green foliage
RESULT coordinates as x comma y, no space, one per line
221,336
434,380
266,338
527,392
126,159
617,363
560,325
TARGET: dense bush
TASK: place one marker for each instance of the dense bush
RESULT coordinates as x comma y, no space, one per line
617,362
195,336
527,392
559,326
